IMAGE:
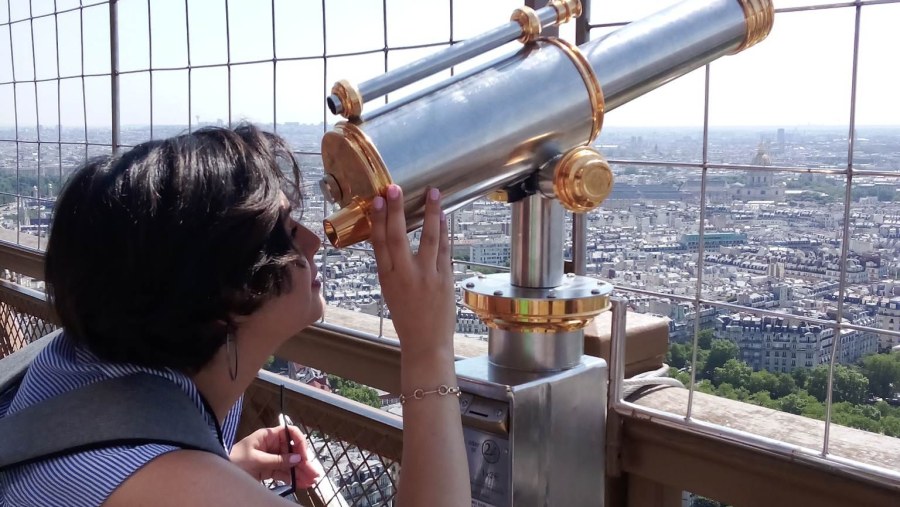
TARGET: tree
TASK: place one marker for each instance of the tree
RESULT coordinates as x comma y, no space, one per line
849,384
784,385
763,399
763,381
679,355
733,372
800,376
796,403
704,339
719,353
362,394
727,390
883,372
354,391
891,426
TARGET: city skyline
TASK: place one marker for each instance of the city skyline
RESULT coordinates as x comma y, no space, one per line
789,80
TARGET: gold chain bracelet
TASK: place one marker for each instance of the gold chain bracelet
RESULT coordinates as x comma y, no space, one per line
418,394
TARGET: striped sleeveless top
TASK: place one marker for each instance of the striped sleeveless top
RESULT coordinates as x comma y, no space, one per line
85,478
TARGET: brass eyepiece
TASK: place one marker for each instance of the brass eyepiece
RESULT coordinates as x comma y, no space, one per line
345,99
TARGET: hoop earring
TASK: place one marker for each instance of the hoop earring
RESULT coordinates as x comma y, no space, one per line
231,352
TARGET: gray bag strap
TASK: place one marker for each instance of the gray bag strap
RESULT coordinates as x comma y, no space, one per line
14,366
131,410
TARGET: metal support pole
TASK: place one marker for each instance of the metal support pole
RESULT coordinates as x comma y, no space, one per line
114,72
536,257
617,349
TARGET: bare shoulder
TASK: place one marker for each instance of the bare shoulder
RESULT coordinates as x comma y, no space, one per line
182,478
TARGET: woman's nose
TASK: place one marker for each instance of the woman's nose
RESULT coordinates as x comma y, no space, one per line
309,241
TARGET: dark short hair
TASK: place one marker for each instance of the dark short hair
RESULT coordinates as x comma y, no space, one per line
152,253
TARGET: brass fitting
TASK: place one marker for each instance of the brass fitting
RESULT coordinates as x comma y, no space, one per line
528,19
349,225
499,196
760,15
568,307
349,97
354,174
565,9
595,92
582,179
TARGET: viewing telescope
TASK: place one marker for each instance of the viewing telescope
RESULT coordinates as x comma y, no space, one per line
489,128
521,129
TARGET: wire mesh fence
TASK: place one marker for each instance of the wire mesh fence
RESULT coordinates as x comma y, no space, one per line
358,453
80,79
720,96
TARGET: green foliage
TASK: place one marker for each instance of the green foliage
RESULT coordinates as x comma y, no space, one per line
733,372
802,392
704,339
796,403
849,384
679,355
883,372
362,394
354,391
891,426
763,399
700,501
784,385
719,353
800,376
275,365
727,390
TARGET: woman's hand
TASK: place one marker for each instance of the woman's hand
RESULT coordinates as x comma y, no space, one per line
418,288
264,455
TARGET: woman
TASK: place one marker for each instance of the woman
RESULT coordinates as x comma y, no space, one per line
181,258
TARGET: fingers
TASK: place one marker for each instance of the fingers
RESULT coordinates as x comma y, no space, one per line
431,229
395,228
267,461
306,474
301,446
378,238
443,255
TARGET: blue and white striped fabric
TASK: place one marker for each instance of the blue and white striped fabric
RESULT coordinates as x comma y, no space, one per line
85,478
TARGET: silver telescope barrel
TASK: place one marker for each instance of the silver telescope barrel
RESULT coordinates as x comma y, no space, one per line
642,56
526,25
495,127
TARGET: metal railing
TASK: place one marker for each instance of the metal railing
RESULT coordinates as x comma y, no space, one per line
654,457
359,447
699,299
60,149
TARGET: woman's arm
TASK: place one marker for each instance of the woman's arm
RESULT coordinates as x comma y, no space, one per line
191,478
418,289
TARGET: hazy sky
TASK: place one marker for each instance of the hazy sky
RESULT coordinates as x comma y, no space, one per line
801,75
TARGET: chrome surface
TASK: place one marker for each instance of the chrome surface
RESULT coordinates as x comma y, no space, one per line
495,126
553,449
532,351
619,307
398,78
485,131
650,52
536,252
